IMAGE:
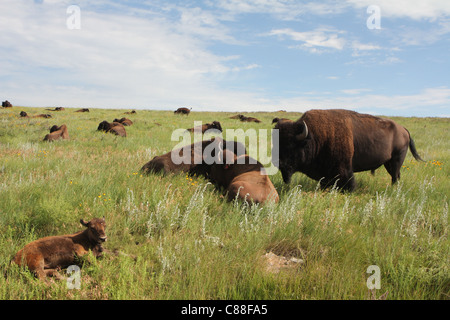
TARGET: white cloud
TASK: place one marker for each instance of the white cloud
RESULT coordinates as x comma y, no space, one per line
313,40
114,59
413,9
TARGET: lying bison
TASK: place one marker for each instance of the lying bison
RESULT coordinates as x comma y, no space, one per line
191,159
57,133
6,104
248,119
279,120
23,114
185,111
243,178
215,125
330,145
83,110
116,128
124,121
46,255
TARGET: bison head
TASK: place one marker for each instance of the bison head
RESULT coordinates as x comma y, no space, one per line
95,229
293,147
104,125
216,125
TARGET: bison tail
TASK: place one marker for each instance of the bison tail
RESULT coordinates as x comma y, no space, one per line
413,149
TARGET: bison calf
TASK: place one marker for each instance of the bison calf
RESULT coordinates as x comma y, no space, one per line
46,255
243,177
57,133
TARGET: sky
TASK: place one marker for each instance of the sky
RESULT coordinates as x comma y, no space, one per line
381,57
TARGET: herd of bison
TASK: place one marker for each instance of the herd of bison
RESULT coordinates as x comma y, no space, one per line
326,145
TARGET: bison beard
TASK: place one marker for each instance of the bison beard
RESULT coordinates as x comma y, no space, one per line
330,145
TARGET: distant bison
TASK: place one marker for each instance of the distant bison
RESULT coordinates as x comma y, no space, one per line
279,120
238,116
116,128
248,119
330,145
194,161
132,112
185,111
57,109
57,133
124,121
46,255
6,104
23,114
83,110
243,178
215,125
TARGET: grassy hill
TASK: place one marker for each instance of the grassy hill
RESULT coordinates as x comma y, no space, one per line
190,243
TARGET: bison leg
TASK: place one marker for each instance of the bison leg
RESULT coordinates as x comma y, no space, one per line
53,273
345,181
394,165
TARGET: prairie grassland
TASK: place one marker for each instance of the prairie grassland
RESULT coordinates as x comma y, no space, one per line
190,243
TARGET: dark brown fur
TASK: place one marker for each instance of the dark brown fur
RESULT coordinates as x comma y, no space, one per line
46,255
339,143
248,119
83,110
280,120
6,104
114,128
124,121
185,111
215,125
244,178
57,133
23,114
198,165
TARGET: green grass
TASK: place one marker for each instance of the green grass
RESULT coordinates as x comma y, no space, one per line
190,243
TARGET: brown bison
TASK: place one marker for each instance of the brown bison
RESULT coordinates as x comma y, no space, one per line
132,112
6,104
23,114
243,178
83,110
279,120
248,119
56,109
57,133
116,128
194,162
124,121
185,111
238,116
46,255
330,145
215,125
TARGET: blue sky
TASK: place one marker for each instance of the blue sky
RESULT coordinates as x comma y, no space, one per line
228,55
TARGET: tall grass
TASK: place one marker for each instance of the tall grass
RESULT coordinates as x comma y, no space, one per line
190,243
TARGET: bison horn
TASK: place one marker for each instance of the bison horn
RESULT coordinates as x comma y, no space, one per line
304,134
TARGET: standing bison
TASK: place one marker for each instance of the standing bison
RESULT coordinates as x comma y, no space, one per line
330,145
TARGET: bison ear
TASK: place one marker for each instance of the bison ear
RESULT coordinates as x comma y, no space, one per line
84,223
301,131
